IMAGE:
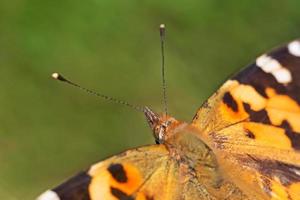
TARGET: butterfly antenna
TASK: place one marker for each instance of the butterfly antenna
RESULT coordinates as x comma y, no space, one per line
162,31
59,77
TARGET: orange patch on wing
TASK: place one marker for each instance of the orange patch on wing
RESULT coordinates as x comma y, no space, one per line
279,107
102,182
279,191
225,110
283,102
242,94
134,179
230,115
283,107
249,95
270,92
269,135
294,190
100,185
277,117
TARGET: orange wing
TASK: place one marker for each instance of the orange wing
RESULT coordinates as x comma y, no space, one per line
252,123
134,174
146,173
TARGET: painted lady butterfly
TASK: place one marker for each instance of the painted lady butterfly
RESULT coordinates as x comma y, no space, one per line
243,143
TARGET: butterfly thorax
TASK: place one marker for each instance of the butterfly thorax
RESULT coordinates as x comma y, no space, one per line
183,144
178,137
195,161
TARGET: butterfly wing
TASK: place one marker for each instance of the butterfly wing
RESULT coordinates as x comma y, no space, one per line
252,123
146,173
127,176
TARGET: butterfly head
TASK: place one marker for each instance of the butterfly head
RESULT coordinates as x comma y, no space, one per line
161,125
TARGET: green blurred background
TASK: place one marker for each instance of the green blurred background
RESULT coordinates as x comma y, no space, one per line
49,131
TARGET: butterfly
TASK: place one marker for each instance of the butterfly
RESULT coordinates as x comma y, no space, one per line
243,143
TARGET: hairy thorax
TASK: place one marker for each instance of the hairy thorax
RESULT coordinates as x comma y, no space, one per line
197,165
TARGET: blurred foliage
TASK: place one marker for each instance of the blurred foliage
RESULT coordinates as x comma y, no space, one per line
50,131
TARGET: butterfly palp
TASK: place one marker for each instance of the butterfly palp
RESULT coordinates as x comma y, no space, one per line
160,125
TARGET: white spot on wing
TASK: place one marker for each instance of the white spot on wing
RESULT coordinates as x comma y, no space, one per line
267,63
272,66
294,48
282,75
48,195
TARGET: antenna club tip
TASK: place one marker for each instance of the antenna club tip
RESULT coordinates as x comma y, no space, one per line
162,26
55,75
59,77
